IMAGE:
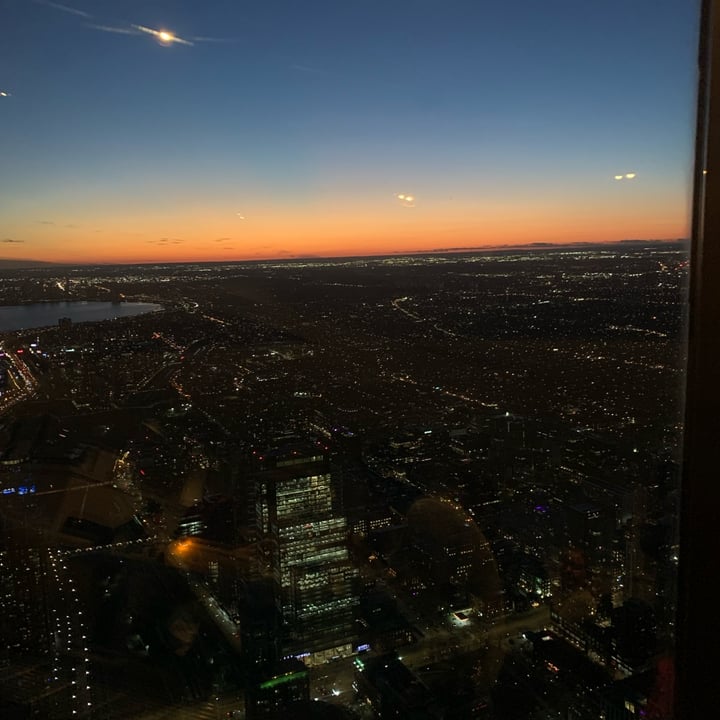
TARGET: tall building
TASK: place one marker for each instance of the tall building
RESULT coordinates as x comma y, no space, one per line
304,539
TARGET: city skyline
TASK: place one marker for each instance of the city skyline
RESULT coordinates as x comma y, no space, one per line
166,132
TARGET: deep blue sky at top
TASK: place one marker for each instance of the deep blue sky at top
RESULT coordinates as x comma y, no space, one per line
288,100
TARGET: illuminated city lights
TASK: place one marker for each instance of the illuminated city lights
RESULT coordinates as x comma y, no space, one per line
230,487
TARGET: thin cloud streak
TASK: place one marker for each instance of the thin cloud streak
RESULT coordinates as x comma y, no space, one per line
203,38
165,37
111,29
64,8
140,29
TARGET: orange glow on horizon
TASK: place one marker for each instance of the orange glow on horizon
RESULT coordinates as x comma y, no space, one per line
326,227
202,251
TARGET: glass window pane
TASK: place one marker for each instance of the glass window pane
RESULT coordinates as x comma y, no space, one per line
342,355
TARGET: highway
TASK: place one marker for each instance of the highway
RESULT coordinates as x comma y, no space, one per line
18,371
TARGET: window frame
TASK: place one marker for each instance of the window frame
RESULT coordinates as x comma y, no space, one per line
699,554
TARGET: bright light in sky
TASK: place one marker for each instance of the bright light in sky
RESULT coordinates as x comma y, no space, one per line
164,36
629,176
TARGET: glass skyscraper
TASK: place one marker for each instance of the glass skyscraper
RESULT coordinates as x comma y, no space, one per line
304,535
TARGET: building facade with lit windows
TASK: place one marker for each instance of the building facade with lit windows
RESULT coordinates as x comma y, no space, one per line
305,540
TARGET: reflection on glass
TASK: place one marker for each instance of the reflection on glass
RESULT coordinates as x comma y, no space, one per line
340,458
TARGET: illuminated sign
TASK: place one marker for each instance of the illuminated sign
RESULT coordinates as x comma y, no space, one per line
283,679
20,490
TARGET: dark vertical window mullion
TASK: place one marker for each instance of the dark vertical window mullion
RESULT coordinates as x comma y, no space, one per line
697,624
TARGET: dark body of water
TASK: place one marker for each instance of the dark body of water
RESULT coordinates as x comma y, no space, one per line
35,315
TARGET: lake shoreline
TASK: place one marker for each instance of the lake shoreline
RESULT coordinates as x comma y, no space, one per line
47,314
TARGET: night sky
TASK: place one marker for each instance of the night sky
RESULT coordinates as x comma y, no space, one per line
281,128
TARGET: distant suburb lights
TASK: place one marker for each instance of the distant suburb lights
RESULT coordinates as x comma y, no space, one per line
626,176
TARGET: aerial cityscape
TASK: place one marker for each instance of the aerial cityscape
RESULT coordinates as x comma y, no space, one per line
431,486
342,355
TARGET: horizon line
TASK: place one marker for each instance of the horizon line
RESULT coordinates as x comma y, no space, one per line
470,249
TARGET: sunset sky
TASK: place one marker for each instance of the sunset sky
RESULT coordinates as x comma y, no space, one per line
280,128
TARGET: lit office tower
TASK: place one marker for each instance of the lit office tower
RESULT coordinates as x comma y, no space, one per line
304,533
